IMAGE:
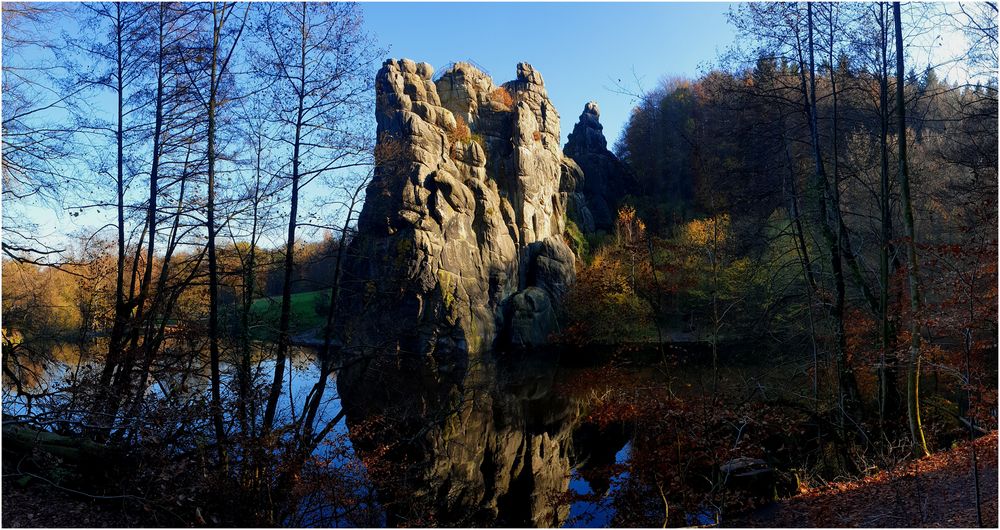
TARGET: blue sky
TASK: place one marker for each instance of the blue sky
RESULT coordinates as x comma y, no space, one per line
581,49
585,51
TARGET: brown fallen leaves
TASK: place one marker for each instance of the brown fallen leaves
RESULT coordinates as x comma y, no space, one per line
42,506
936,491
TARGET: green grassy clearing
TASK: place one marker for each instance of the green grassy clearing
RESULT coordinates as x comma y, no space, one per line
306,316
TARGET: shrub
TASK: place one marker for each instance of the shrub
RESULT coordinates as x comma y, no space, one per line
460,132
502,96
576,240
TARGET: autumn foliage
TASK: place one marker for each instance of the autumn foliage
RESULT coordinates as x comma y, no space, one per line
502,96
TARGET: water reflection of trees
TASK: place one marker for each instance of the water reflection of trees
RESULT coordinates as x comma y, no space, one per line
500,440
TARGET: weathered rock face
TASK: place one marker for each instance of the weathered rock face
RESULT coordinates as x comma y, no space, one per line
530,314
571,185
464,208
599,179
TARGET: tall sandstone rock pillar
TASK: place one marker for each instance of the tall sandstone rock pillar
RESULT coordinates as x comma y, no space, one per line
459,243
599,181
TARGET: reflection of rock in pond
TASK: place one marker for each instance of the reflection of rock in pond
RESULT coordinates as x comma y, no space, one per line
489,447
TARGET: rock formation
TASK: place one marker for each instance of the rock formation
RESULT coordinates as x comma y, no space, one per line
460,238
460,249
594,177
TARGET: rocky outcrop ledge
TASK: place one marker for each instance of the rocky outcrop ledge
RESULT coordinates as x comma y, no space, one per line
459,244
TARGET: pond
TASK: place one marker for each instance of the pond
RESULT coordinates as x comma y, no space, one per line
502,443
502,440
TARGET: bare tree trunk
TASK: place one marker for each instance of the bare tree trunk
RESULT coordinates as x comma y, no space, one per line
217,70
213,266
121,311
840,232
888,401
151,206
845,378
154,189
284,320
793,205
803,253
913,377
161,305
326,364
249,287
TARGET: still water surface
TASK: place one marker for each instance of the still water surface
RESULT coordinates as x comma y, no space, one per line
491,443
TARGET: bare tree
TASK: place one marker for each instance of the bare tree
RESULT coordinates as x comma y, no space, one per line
34,143
221,54
258,195
125,52
318,62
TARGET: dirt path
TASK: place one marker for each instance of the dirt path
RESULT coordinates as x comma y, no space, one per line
936,491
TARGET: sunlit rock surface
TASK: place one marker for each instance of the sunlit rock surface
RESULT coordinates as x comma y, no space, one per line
464,205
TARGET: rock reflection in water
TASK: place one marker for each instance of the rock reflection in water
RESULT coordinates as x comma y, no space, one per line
489,447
